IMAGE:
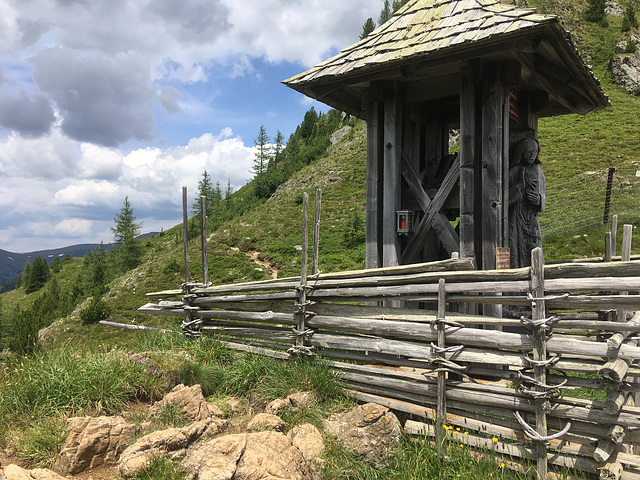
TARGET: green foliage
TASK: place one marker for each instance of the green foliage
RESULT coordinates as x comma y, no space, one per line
171,416
368,27
596,12
22,327
354,229
631,47
96,310
263,153
206,189
385,13
40,444
209,377
125,231
38,275
629,20
69,380
160,468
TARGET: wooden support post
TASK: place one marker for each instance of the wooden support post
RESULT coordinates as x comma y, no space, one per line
441,415
625,256
392,175
203,239
316,234
300,313
185,235
539,354
614,235
468,139
608,251
374,180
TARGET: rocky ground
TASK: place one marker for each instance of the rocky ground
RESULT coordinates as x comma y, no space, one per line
235,443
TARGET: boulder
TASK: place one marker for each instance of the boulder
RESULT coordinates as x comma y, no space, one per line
172,443
190,400
294,401
92,442
266,421
14,472
248,456
338,135
371,431
614,8
625,72
308,439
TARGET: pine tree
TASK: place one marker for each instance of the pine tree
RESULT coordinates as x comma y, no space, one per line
263,154
385,13
129,250
205,189
39,275
368,27
227,196
596,12
629,20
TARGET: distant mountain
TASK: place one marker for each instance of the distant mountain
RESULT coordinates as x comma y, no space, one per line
12,264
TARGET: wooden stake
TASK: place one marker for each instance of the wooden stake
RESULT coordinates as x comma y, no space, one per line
614,234
185,235
316,234
539,354
302,289
203,237
442,376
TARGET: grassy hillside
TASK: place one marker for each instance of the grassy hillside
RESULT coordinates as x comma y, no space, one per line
264,239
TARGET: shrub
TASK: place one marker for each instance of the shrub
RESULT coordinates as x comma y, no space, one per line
41,442
631,47
160,468
354,231
96,310
596,12
629,20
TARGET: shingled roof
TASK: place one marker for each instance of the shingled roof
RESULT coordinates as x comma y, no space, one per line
430,38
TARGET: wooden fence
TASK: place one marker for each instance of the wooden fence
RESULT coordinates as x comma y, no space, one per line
508,384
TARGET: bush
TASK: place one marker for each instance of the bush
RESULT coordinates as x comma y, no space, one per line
631,47
596,12
629,20
96,310
354,230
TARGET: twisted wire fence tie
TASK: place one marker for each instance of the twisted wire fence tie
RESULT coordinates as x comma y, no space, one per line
315,275
452,349
448,364
544,322
191,323
305,287
539,384
303,333
533,299
448,323
191,308
189,296
542,363
535,436
539,395
197,285
301,350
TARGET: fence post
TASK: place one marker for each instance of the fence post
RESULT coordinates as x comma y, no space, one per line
301,306
607,200
316,234
203,239
185,234
441,412
538,312
614,234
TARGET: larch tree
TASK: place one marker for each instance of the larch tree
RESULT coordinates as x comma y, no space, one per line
125,231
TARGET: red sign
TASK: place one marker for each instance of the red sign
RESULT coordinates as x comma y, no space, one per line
503,258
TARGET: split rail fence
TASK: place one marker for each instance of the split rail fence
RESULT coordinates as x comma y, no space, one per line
506,383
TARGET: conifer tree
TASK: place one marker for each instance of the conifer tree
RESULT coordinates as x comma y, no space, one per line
129,250
205,188
385,13
368,27
629,20
597,12
262,155
39,275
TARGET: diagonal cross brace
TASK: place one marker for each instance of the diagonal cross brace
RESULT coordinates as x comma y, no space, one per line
433,217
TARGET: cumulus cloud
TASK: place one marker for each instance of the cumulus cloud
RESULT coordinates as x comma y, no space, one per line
29,114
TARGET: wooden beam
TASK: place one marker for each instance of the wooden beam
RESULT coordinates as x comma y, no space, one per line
467,163
374,181
391,179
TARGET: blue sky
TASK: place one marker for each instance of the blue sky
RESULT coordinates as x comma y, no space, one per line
103,99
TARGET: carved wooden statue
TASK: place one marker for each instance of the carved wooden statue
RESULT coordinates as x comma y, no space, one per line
527,199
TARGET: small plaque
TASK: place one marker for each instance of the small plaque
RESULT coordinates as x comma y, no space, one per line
503,258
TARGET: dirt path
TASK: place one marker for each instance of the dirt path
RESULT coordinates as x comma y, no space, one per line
254,256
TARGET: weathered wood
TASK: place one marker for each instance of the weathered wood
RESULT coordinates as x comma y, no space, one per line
316,233
614,235
203,239
375,141
130,326
441,415
604,450
616,339
185,235
608,247
614,402
468,153
391,184
538,313
626,256
611,471
300,313
257,350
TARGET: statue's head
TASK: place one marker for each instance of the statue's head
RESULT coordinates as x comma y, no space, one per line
530,151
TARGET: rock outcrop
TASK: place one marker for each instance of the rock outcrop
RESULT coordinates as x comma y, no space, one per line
92,442
171,443
248,456
371,431
190,401
625,72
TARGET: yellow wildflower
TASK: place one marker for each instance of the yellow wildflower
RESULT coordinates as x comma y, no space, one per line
495,439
